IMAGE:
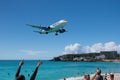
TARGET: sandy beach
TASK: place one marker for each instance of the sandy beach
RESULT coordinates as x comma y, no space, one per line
116,77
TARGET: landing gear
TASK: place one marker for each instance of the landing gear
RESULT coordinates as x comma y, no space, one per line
48,27
56,33
62,30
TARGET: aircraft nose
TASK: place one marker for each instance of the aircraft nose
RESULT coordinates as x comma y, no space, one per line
65,21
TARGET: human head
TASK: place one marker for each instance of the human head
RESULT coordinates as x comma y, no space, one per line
21,77
98,71
87,77
111,76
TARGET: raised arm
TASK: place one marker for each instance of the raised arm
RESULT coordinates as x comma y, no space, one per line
19,68
93,77
35,72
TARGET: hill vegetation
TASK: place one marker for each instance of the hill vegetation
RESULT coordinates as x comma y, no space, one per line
102,56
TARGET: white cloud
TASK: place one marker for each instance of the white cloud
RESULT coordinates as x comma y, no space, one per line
77,48
30,52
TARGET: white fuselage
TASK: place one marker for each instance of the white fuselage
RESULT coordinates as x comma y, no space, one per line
56,26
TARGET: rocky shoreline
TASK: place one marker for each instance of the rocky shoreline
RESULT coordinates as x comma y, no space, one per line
103,56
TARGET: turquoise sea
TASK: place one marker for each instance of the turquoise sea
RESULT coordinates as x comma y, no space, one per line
51,70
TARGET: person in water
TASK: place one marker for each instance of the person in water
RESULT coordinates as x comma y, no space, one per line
22,77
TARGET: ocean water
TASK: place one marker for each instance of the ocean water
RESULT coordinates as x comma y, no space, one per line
51,70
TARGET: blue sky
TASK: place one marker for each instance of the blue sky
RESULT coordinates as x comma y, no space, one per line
90,22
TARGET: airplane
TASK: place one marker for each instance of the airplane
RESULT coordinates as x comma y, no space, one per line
56,27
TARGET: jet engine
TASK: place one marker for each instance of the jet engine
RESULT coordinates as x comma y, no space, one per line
62,30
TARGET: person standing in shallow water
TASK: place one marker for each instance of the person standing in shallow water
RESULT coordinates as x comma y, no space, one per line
22,77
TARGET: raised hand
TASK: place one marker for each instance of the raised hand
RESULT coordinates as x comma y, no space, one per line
39,63
21,63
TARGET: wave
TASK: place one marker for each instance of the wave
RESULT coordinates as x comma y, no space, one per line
74,78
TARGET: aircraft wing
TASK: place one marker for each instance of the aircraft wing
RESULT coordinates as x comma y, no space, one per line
39,27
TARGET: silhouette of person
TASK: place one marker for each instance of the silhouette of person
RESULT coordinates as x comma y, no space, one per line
22,77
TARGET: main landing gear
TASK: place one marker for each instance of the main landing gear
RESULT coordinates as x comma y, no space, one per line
56,33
